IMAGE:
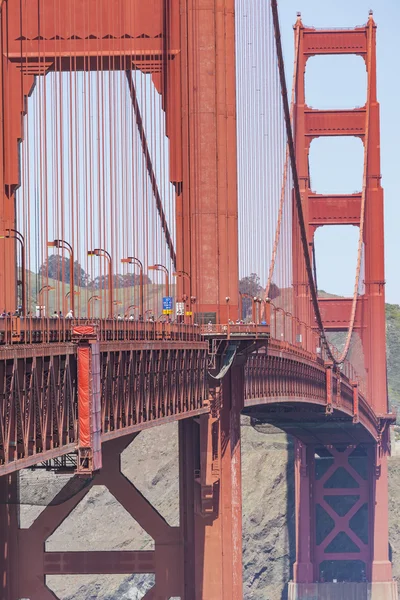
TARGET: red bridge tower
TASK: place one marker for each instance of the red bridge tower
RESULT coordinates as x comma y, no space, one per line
341,478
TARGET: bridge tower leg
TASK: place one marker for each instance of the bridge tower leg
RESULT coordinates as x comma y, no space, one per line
210,210
339,492
211,512
8,537
342,512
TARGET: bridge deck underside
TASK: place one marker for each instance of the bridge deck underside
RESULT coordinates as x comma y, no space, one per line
291,391
308,423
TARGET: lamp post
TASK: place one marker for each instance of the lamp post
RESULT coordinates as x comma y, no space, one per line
158,267
257,315
91,299
135,261
67,295
15,234
227,300
184,275
63,245
44,288
107,255
131,306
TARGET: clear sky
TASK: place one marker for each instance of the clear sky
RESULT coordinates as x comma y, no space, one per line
336,165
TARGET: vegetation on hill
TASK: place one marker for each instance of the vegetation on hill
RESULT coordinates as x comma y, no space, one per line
393,352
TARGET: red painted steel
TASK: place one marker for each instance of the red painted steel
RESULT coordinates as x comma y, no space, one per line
213,557
84,416
67,396
33,562
81,385
367,314
209,239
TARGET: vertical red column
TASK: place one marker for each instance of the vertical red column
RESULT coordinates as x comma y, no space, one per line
212,539
302,145
342,209
303,571
8,279
373,333
209,202
89,403
16,85
9,563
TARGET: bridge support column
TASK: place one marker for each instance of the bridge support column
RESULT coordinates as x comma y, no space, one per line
381,570
341,523
212,531
209,205
303,568
343,591
9,565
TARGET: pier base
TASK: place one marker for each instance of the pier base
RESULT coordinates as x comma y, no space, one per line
343,591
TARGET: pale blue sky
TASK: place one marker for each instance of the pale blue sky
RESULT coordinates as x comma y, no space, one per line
337,82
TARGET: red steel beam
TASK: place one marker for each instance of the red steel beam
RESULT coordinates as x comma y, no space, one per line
331,41
120,562
336,312
334,122
334,209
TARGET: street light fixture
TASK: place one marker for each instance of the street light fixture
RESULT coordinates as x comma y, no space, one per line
15,234
67,295
257,313
107,255
117,303
131,306
91,299
158,267
63,245
135,261
44,288
182,274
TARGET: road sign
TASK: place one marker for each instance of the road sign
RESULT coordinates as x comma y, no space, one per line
167,305
180,309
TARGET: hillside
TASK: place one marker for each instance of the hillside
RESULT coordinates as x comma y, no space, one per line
393,351
123,296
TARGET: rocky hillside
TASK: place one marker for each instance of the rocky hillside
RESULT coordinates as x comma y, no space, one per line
151,462
393,351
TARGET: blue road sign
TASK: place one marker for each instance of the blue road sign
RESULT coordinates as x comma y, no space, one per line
167,305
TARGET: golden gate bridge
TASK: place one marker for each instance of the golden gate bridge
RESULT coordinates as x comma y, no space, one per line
160,139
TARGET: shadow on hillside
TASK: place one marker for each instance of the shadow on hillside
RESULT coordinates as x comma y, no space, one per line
290,511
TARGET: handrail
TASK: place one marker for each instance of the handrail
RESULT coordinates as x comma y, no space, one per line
45,330
283,327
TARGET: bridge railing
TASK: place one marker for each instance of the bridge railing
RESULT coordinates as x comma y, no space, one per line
45,330
280,326
287,328
233,330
